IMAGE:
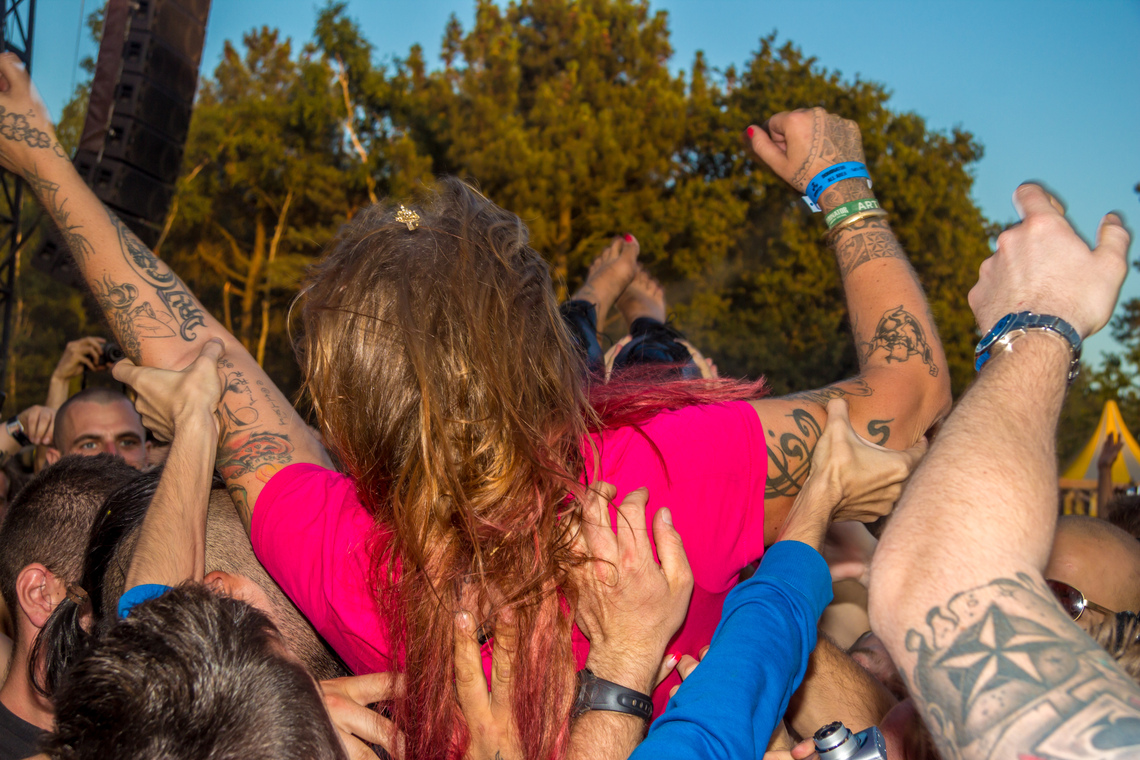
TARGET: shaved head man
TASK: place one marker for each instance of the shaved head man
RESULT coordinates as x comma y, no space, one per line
1099,560
99,421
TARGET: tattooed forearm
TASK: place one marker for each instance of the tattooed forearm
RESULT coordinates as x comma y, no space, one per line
789,456
241,502
48,193
1003,672
246,452
130,320
879,431
865,241
902,336
853,387
14,127
179,302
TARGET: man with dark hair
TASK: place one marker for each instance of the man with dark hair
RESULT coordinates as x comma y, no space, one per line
42,542
99,421
194,675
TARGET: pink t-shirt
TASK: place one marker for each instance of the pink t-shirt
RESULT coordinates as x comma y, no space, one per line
317,541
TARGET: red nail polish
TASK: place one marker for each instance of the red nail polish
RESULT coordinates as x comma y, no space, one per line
676,656
629,238
750,131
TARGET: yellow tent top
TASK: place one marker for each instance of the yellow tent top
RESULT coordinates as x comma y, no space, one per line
1126,468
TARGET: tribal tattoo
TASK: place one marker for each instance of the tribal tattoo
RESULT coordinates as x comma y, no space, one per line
1003,672
179,302
879,431
789,457
833,140
856,386
864,241
129,321
48,192
902,336
14,127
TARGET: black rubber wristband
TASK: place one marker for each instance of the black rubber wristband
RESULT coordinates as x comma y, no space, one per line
599,694
15,429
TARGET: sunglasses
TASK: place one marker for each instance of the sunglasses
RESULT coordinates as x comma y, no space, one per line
1073,601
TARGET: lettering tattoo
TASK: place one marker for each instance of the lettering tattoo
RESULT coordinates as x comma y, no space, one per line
14,127
269,396
902,336
864,241
856,386
833,140
789,456
179,302
48,193
130,321
879,432
1003,672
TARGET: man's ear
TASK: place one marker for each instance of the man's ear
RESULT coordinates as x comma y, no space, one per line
222,583
38,592
51,454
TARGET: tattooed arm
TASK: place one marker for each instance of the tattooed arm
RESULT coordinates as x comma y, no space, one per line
903,385
155,318
996,668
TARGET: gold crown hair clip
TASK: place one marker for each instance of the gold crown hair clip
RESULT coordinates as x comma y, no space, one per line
408,217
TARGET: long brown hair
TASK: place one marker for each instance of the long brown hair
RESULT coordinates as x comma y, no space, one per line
447,385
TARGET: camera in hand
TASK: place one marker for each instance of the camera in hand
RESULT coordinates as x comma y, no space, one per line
836,742
111,354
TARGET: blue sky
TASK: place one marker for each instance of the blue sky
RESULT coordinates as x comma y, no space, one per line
1050,88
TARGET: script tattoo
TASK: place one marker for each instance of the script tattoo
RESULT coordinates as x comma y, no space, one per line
14,127
789,457
902,336
48,193
1003,672
879,431
854,387
833,140
874,241
130,322
179,302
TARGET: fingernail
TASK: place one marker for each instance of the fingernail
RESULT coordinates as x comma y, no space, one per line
1119,216
464,620
750,131
628,238
674,656
666,515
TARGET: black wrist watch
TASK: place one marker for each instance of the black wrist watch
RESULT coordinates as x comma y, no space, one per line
15,429
1012,326
599,694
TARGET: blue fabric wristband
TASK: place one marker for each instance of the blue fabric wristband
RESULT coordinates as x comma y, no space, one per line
138,594
831,175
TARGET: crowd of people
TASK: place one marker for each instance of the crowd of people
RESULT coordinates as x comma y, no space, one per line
500,542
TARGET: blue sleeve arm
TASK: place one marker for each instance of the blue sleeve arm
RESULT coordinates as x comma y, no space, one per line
136,595
729,706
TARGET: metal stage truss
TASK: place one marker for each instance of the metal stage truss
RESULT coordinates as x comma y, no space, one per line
17,26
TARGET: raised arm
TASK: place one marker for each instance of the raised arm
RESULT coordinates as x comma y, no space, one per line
996,668
156,320
903,386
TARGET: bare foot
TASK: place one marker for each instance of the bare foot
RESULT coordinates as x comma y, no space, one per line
609,275
643,298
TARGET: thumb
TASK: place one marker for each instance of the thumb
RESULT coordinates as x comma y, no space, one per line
670,550
1112,237
125,371
916,452
12,70
213,350
767,150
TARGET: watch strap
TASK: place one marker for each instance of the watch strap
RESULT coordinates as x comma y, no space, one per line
599,694
15,428
1013,326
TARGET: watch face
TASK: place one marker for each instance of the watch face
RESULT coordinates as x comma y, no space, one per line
994,333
